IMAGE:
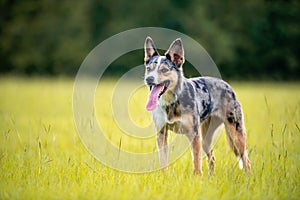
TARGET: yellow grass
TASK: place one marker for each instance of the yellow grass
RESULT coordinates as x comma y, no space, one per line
41,155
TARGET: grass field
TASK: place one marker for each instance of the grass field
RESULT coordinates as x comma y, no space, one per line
42,157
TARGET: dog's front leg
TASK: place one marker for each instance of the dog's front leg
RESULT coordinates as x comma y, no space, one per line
162,143
196,145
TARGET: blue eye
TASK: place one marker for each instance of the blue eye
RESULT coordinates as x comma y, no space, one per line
148,69
164,70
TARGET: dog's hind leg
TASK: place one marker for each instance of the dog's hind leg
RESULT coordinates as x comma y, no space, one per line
236,135
162,144
209,128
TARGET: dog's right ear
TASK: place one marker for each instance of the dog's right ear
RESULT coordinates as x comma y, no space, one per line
150,49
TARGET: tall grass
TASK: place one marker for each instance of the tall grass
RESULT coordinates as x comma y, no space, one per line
41,155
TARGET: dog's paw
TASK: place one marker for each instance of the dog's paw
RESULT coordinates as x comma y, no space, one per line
198,172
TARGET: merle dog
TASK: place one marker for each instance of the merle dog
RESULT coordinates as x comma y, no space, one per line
195,107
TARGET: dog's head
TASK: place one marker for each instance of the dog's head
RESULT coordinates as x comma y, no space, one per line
162,72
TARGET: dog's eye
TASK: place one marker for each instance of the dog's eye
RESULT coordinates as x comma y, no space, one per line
148,69
164,70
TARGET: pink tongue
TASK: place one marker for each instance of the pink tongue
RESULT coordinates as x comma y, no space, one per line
153,97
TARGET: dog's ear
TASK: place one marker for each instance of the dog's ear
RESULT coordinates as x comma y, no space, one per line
150,49
175,52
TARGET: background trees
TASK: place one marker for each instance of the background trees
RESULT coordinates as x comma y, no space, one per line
247,40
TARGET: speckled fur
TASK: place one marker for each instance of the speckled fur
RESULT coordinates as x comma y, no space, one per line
195,107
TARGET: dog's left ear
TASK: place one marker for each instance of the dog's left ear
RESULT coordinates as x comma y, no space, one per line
175,52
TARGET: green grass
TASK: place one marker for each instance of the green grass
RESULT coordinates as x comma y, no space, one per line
42,157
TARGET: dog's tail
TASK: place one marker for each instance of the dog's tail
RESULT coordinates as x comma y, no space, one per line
240,162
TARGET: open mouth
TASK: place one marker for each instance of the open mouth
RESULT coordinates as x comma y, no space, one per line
163,87
155,93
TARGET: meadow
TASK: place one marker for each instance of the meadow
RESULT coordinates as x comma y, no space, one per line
42,156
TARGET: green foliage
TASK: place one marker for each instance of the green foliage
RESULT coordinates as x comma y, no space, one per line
42,157
252,39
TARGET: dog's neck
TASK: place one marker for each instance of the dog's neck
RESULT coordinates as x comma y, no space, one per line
171,96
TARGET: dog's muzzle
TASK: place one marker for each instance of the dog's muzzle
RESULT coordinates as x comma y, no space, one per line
150,80
156,90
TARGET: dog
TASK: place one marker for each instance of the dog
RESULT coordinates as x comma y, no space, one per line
196,107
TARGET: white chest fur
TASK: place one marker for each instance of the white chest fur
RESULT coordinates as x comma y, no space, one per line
159,117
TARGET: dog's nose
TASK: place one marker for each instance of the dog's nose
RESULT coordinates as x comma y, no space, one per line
150,80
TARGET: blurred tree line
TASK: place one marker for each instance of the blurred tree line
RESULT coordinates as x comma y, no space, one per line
247,39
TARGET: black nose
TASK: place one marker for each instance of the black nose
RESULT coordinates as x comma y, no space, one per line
150,80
